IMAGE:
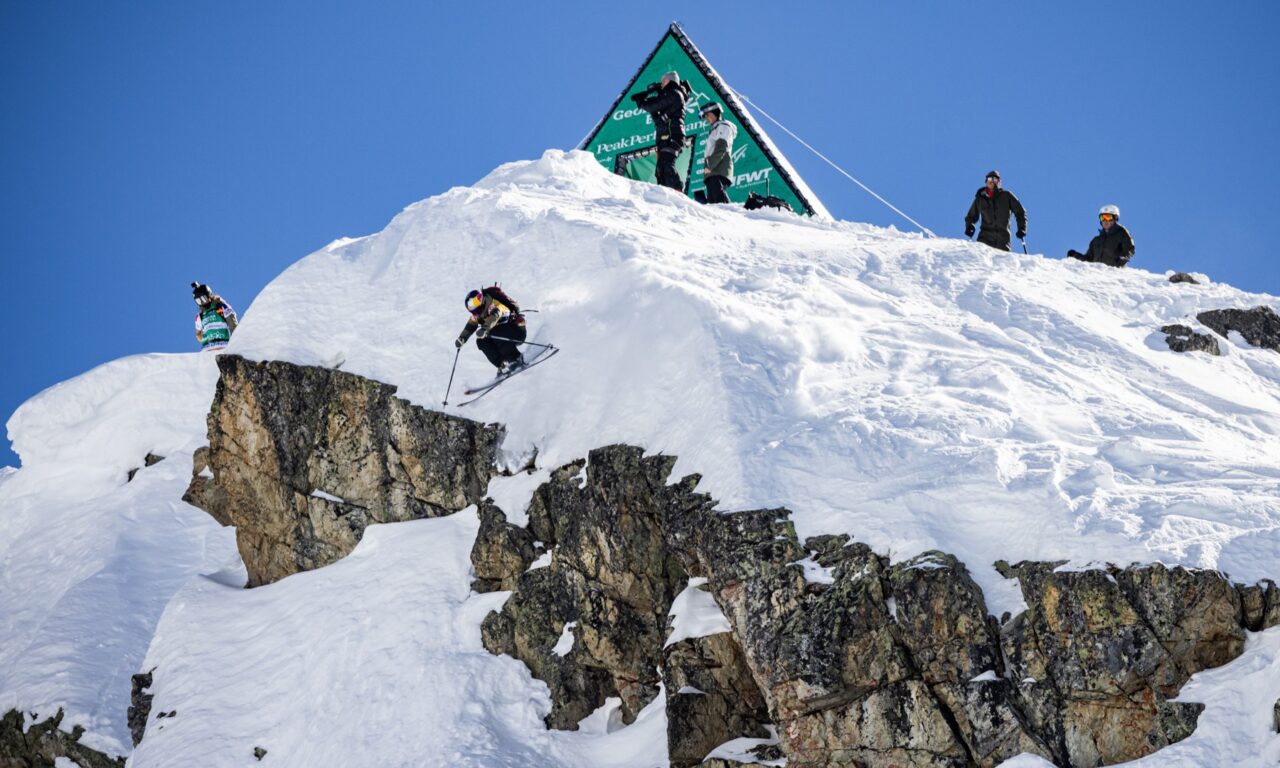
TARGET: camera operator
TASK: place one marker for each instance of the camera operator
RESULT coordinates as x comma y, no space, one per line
665,104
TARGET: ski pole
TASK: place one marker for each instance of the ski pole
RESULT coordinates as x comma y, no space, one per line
531,343
1024,246
451,372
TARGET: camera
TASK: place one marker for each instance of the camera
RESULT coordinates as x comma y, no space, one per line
642,95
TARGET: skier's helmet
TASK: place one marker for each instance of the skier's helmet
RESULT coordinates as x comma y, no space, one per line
993,175
201,294
1112,210
475,300
711,106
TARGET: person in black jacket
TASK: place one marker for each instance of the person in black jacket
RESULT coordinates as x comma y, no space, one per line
665,104
1113,246
994,204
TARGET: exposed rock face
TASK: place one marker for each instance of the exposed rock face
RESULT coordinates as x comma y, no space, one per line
139,706
711,697
1181,338
1260,605
1183,277
1114,646
150,460
856,662
1259,326
502,551
610,583
43,743
303,458
840,683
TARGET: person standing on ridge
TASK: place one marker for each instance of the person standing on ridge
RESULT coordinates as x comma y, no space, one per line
717,154
1113,245
994,204
215,320
498,325
665,104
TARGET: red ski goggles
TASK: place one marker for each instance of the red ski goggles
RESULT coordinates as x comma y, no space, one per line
1106,217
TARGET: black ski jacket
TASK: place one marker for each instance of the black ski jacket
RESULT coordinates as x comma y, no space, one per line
1114,247
995,211
666,107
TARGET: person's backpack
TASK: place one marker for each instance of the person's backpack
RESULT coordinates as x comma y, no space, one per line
755,202
495,292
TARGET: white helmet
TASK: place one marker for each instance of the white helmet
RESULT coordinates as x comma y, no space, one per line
1111,209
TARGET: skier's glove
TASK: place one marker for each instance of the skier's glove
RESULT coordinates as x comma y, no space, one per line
968,231
482,332
1022,234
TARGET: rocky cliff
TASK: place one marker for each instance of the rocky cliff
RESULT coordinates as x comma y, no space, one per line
301,459
849,658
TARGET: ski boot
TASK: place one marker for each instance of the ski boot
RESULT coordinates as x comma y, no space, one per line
511,366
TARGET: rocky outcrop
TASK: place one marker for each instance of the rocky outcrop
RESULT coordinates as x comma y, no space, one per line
1181,338
42,743
592,622
711,697
1183,277
139,706
502,551
1259,326
1259,605
855,661
1105,651
302,458
816,630
150,460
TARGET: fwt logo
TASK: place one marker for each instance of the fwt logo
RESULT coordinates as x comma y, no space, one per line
752,178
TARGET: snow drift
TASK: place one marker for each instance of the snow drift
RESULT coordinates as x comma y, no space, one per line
914,393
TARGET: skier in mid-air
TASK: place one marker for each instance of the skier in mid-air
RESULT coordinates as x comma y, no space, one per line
994,203
215,320
499,327
1113,245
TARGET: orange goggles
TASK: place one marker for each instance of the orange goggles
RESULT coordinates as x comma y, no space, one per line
1106,217
474,303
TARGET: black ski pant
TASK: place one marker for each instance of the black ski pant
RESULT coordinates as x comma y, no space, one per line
667,175
995,238
716,186
496,347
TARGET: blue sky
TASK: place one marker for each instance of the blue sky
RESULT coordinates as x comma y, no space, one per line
147,144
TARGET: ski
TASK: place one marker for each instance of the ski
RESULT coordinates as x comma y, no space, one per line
545,354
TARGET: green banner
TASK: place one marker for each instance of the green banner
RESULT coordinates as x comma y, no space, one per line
624,141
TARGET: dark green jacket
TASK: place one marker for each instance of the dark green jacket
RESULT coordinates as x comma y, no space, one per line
1114,247
995,211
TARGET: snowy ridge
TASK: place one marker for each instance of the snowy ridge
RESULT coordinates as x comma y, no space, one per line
914,393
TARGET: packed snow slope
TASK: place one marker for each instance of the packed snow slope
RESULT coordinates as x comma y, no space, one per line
914,393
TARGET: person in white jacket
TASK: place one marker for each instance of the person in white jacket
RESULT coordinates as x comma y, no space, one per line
717,153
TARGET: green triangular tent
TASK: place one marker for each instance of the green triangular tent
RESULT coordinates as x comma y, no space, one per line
623,141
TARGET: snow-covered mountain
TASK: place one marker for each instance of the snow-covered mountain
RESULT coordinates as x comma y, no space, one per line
914,393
